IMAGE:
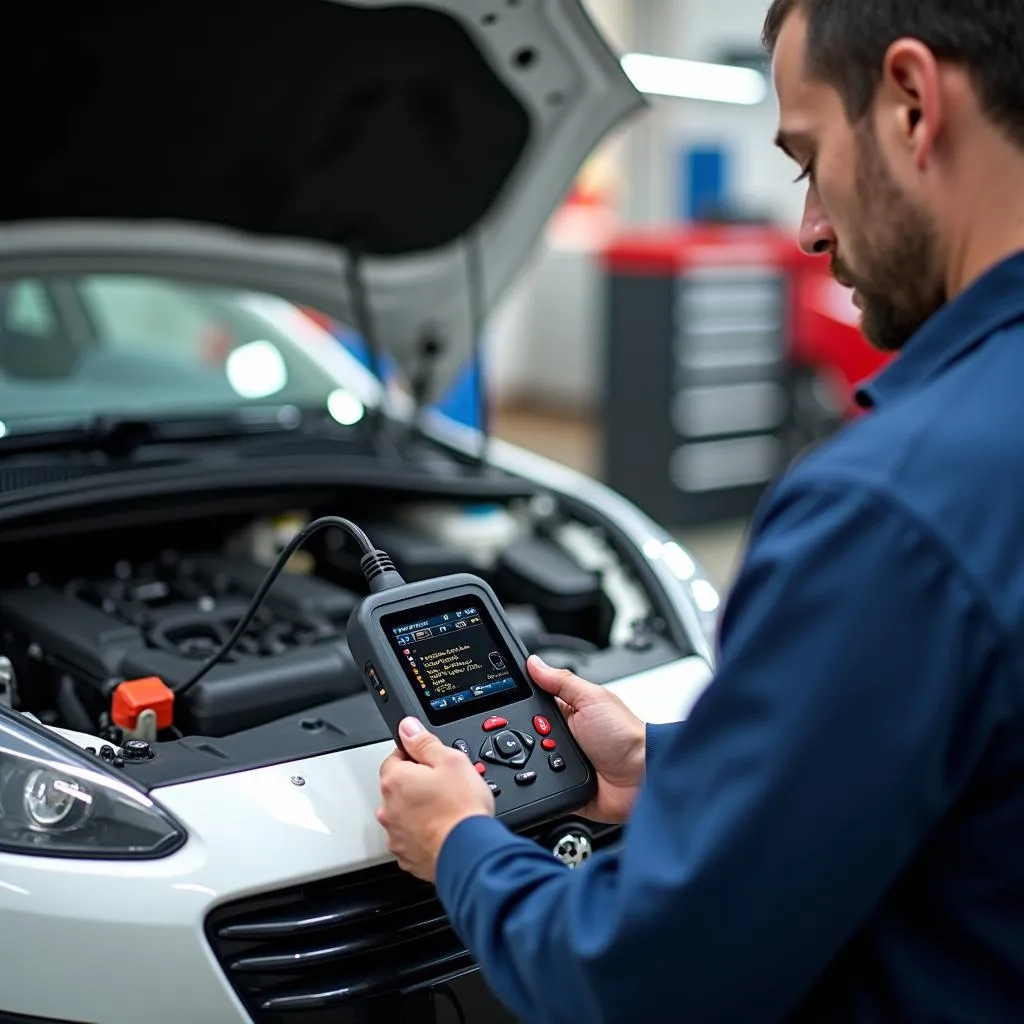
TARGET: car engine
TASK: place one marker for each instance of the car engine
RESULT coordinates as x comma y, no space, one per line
164,618
69,637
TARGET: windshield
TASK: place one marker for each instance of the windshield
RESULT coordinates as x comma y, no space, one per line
72,349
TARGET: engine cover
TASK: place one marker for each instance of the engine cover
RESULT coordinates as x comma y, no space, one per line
166,617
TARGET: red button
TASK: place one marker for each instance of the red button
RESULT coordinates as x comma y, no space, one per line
548,744
541,724
480,768
495,723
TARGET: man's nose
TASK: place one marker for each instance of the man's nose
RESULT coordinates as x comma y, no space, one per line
816,234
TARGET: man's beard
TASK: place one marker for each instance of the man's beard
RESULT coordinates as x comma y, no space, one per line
895,247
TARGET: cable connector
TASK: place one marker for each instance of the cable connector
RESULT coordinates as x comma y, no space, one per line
379,572
375,564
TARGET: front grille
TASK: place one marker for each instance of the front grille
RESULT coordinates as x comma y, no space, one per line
303,954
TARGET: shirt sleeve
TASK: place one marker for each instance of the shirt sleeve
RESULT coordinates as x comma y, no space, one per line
857,685
657,736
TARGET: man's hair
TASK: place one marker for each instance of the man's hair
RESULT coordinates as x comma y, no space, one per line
847,41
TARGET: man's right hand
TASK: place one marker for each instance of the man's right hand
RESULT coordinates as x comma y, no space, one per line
610,734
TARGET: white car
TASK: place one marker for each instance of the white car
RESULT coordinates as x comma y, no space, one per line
193,178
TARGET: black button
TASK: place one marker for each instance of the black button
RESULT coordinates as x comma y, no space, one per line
557,763
519,760
494,787
507,744
526,778
487,753
528,741
463,746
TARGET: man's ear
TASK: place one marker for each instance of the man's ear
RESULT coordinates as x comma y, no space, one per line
910,99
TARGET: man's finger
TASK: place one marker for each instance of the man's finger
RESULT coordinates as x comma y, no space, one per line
392,759
422,746
560,682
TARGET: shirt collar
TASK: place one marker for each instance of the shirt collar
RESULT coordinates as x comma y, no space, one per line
994,300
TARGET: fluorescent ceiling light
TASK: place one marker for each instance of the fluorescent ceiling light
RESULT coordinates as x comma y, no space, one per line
693,80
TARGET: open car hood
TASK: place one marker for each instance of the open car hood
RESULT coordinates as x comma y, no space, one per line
408,155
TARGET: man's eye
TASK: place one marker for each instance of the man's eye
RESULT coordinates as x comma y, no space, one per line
805,174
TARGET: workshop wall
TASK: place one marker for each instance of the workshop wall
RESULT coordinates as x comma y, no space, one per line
715,30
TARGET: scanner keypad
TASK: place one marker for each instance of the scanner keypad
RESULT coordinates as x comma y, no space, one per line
506,746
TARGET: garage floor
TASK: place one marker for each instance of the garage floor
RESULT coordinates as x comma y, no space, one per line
572,440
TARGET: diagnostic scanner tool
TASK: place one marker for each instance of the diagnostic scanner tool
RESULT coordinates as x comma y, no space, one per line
443,651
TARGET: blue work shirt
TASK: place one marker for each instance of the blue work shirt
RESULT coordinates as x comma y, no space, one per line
836,833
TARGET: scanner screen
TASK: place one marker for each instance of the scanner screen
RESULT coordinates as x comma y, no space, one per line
455,658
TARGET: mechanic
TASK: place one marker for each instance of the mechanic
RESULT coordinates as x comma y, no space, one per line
836,831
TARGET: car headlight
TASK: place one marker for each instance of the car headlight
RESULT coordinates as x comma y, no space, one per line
58,801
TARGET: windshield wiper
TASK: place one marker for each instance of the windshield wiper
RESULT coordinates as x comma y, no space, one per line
120,436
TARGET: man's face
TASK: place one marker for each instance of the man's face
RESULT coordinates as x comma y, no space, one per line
882,240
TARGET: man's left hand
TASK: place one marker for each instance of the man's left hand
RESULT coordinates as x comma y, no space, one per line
426,791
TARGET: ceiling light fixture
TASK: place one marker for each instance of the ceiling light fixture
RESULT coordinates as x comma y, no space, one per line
694,80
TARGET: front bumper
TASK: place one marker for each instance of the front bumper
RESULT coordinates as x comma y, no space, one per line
105,942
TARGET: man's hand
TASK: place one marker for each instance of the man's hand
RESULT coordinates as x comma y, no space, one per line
426,791
610,734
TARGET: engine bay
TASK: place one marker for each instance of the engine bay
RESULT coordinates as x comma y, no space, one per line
72,640
94,613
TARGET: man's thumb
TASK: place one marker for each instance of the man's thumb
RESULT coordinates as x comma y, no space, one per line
422,746
560,682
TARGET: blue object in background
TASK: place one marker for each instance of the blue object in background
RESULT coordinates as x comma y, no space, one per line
353,342
702,182
460,400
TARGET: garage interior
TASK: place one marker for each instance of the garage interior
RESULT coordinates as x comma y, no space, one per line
667,336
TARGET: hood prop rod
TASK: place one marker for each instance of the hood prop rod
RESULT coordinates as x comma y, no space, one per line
475,293
363,322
